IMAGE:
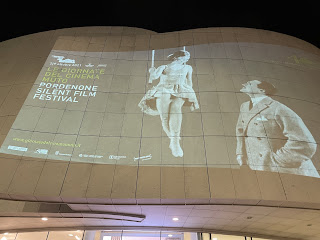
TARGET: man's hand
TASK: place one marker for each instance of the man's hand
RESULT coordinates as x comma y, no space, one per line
242,162
240,159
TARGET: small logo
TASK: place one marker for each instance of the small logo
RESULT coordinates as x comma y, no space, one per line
41,151
62,60
21,149
116,157
102,65
143,158
89,65
62,154
89,156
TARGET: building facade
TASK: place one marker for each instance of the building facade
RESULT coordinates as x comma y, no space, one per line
210,130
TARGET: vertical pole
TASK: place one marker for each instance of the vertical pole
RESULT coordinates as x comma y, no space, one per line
152,59
152,65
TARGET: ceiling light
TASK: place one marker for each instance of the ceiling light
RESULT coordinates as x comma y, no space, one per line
214,239
175,219
6,233
170,235
44,219
70,234
4,238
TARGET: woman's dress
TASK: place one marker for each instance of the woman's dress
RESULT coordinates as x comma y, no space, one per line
173,83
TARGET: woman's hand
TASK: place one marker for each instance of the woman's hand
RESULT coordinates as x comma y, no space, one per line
155,72
152,70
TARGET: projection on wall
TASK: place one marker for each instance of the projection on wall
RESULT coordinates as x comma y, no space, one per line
184,106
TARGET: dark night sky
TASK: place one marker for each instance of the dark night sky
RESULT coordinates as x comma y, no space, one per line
296,19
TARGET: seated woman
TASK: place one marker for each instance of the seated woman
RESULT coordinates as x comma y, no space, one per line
167,98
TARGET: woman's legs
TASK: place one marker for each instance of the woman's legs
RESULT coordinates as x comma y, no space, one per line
175,121
163,106
171,119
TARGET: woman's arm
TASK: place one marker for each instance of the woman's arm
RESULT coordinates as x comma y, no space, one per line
155,73
189,76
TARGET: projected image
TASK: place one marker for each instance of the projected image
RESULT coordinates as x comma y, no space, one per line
167,98
272,137
193,106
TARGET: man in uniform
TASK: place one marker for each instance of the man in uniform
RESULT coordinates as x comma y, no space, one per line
271,136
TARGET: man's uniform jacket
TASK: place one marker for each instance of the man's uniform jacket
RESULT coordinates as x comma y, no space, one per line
272,137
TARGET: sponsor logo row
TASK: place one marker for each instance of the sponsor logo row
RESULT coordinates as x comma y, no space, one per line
81,155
